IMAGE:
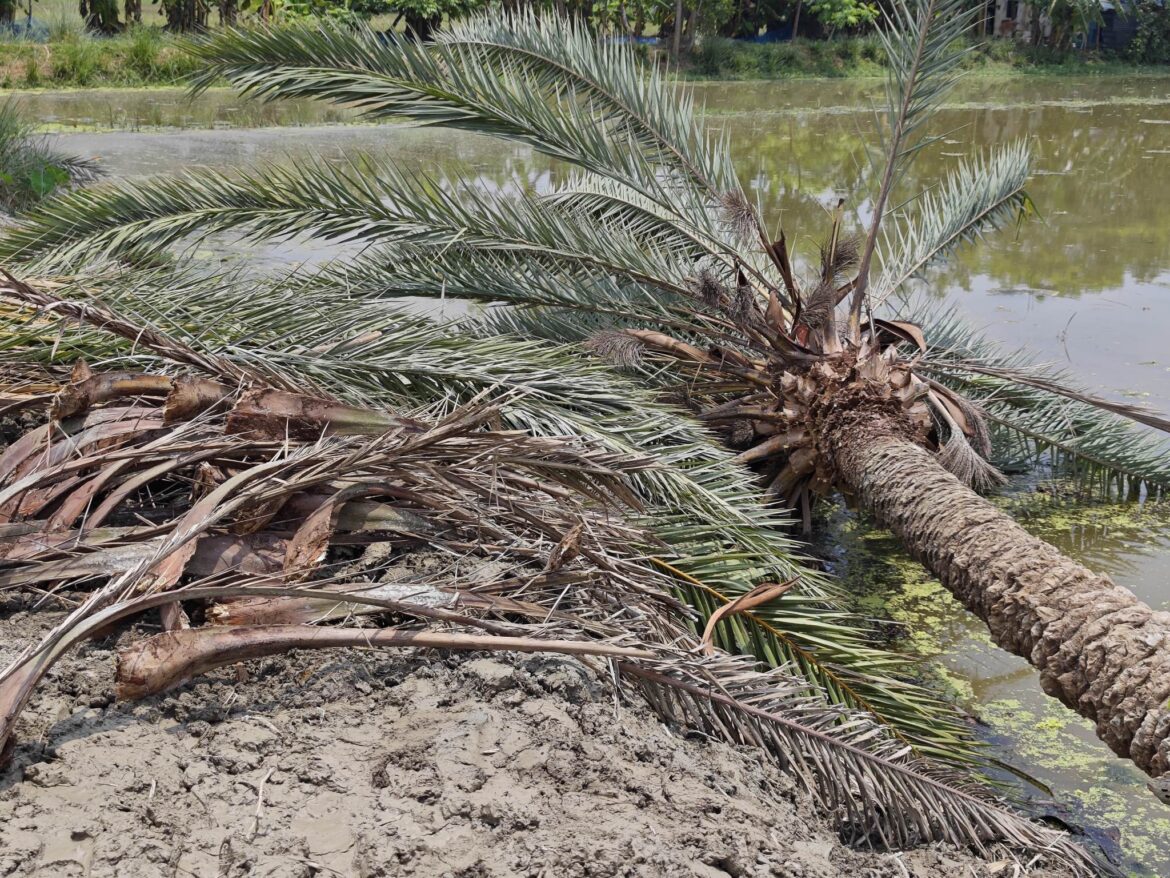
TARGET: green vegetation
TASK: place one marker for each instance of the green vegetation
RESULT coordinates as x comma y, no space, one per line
837,38
859,56
1151,44
147,55
29,169
141,56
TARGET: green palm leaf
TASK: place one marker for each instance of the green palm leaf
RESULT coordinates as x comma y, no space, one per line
1039,415
609,120
718,539
977,197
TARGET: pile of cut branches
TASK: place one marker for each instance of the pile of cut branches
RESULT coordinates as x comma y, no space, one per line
257,517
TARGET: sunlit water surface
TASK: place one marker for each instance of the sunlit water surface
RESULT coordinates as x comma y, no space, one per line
1085,286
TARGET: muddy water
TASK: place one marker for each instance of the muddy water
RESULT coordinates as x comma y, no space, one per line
1086,286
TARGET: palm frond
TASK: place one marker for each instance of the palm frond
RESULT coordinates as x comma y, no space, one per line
362,200
619,206
532,281
550,513
543,80
979,196
878,793
1039,414
549,84
918,36
717,540
554,51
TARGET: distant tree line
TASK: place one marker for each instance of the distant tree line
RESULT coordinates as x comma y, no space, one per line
676,24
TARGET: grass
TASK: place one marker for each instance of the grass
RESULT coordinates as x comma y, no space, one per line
144,55
73,58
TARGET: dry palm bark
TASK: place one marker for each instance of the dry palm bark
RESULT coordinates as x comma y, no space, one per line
1098,648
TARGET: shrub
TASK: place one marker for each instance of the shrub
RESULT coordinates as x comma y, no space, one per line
1047,56
712,55
64,24
818,50
78,61
847,51
822,58
142,52
788,59
32,72
1000,51
749,63
1151,43
870,49
29,169
174,63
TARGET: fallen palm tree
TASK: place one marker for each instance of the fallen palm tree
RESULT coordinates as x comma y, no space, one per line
718,542
259,519
652,256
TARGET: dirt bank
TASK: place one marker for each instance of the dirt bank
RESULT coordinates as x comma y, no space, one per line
379,764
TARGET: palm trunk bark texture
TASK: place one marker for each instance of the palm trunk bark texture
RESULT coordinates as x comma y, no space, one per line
1097,647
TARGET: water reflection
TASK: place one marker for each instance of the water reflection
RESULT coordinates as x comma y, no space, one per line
1086,284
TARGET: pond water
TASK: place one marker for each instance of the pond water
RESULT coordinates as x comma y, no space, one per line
1086,286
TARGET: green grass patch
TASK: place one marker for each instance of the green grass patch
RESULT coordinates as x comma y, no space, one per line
143,55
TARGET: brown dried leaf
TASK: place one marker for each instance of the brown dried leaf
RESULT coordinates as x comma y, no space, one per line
759,595
902,331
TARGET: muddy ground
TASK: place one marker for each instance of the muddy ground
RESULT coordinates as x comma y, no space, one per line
390,763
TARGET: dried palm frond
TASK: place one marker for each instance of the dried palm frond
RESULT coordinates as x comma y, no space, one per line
618,348
192,492
957,454
840,257
717,540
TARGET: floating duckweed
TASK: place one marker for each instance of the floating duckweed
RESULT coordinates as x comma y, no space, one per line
1025,729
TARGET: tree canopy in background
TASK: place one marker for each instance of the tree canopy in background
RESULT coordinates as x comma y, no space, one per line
676,26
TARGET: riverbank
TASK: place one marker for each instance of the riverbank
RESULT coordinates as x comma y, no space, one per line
394,763
148,56
142,56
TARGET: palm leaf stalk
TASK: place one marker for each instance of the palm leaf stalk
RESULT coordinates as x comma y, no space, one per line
178,490
653,254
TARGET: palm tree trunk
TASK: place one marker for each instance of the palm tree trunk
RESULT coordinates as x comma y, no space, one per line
1098,648
676,37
